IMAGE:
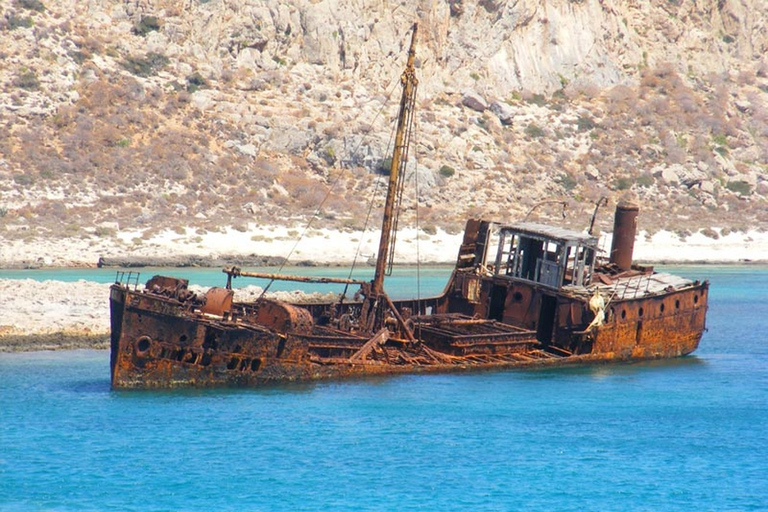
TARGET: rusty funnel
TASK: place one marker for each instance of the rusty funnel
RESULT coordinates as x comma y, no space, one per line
624,230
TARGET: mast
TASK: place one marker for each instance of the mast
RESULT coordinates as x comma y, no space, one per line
397,169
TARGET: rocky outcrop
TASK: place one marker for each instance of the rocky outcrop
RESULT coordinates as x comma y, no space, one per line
157,113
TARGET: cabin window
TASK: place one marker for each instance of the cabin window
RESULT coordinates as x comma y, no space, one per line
548,260
580,262
530,258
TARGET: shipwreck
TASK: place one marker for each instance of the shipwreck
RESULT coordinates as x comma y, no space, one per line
520,295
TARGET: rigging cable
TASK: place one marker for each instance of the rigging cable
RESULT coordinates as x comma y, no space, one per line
418,227
335,182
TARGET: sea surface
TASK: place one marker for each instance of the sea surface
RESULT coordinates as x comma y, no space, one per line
404,282
688,434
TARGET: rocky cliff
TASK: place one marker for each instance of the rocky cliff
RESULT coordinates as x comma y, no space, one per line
158,114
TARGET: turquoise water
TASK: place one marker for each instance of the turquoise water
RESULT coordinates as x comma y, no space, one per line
677,435
431,279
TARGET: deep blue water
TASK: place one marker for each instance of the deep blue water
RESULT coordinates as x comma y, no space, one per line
677,435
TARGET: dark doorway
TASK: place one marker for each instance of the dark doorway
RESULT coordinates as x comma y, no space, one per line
546,322
498,299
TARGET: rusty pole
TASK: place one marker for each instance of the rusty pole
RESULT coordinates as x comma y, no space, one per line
409,82
236,272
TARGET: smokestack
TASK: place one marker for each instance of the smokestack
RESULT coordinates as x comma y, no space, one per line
624,230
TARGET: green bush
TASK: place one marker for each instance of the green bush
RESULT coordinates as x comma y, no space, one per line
27,80
739,187
585,123
196,81
644,180
24,180
567,182
447,171
32,5
384,167
623,183
145,66
534,131
15,21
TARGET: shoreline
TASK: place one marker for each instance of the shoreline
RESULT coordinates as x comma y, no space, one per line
332,249
59,315
52,342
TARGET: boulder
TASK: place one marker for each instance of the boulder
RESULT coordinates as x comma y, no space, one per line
473,100
503,111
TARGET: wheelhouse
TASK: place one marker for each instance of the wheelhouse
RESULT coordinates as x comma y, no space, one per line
546,255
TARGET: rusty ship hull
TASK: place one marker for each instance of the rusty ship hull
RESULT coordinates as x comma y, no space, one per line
486,318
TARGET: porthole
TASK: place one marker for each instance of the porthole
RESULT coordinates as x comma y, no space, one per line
143,344
517,296
623,314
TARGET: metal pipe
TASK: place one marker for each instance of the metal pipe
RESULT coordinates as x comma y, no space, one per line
236,272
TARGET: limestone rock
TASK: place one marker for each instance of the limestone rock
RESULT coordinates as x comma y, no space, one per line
503,111
473,100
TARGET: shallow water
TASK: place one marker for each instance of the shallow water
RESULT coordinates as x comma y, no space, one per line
431,278
683,434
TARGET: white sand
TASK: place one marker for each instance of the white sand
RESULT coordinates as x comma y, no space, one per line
33,307
333,247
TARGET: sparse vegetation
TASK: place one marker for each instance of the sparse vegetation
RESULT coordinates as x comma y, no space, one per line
446,171
622,183
16,21
142,153
384,167
644,180
534,131
32,5
739,187
27,80
538,99
196,81
146,25
145,66
585,123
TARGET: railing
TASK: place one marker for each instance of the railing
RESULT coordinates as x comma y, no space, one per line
127,278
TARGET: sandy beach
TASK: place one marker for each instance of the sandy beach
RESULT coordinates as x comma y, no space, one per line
47,315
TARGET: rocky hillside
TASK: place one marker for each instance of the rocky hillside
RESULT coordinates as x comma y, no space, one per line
157,114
